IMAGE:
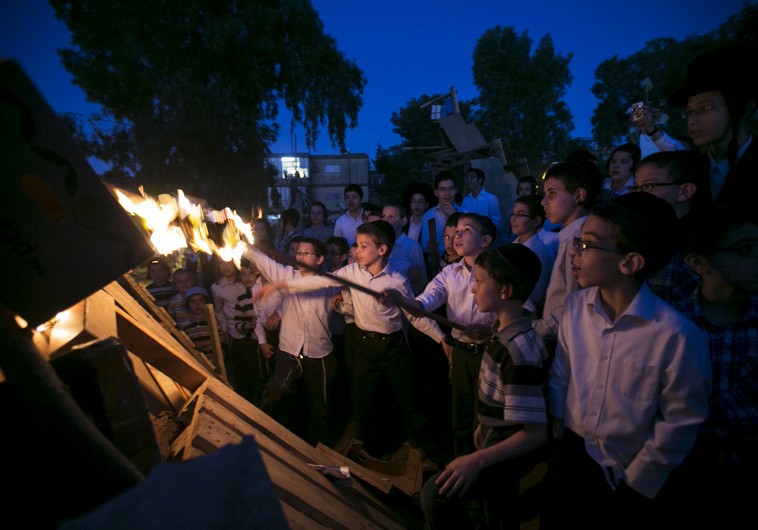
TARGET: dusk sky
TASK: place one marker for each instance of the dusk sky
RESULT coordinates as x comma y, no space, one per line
407,48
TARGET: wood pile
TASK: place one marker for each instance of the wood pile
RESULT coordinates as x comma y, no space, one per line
160,401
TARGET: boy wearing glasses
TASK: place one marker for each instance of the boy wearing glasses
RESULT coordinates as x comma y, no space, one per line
723,251
299,394
445,190
718,101
679,178
383,357
628,387
527,218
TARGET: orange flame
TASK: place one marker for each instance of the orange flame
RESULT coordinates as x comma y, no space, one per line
176,223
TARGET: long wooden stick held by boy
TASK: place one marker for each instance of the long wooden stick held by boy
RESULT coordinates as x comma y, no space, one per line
412,309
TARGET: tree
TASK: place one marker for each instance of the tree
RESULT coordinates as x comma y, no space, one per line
399,165
190,90
664,62
521,95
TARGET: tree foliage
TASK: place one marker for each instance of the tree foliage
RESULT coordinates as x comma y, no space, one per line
521,94
406,163
619,82
190,90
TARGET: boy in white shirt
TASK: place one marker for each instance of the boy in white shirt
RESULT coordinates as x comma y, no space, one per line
452,288
629,384
305,369
406,257
383,355
571,189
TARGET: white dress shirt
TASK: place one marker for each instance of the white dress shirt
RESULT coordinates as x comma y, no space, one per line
305,316
547,260
452,286
346,225
407,256
635,389
440,218
264,308
225,295
370,314
562,282
484,203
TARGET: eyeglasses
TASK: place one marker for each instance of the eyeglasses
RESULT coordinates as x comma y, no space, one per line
420,201
449,188
519,214
580,246
745,249
304,254
647,188
699,111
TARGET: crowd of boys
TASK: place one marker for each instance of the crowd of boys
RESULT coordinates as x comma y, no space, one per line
621,346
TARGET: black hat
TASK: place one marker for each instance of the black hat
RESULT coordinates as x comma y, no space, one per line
723,69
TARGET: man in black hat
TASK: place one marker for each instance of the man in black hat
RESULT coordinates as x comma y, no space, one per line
718,98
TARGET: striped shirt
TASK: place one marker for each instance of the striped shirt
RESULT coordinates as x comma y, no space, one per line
199,332
177,308
162,294
244,313
512,378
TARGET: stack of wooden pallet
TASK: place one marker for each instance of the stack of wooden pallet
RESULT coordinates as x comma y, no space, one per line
124,341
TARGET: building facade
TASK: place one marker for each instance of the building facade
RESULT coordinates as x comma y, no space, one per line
303,179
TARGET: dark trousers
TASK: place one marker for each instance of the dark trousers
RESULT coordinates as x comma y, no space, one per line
351,343
379,361
492,501
299,395
432,376
580,496
464,377
715,486
249,369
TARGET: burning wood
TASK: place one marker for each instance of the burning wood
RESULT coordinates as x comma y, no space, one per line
176,223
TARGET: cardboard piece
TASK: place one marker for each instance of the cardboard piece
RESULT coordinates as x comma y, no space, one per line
228,489
63,234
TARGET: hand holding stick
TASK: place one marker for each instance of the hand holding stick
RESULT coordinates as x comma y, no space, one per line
401,301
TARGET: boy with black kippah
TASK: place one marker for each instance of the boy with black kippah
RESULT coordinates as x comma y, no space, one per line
483,486
628,388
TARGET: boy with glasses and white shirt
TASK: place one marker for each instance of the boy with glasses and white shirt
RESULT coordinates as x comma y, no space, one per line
304,375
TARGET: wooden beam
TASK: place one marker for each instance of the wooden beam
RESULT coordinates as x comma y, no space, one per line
154,350
297,483
218,351
146,319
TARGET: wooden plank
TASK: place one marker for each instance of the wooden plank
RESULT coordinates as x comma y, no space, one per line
179,444
218,351
381,483
260,420
281,444
161,392
154,350
175,337
317,503
297,520
90,319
